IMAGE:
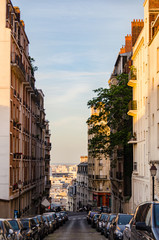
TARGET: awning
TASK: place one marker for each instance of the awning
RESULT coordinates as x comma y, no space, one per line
45,203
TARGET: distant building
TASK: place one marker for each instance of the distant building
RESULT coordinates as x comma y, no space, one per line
72,197
82,183
99,191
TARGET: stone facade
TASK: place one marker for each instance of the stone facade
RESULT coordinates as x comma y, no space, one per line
22,125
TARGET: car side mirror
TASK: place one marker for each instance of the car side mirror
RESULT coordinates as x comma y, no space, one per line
11,231
127,226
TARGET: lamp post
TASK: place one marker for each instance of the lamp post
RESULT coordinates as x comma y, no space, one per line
19,187
120,192
153,171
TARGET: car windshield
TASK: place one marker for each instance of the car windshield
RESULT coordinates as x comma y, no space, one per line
156,215
44,218
111,217
35,219
96,216
39,218
14,224
124,219
103,217
25,223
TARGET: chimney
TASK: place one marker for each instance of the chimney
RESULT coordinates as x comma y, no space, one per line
128,43
153,4
122,50
136,27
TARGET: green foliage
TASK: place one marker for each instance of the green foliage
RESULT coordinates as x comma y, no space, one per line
113,105
33,68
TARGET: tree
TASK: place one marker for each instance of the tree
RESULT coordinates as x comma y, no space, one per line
33,68
112,104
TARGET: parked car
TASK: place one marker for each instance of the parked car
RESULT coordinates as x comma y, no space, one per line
127,231
99,225
46,224
104,221
91,216
88,217
30,228
117,226
6,230
56,218
104,209
60,220
94,220
65,215
17,227
108,223
42,226
51,227
145,223
40,230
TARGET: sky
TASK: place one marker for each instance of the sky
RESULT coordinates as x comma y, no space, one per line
75,44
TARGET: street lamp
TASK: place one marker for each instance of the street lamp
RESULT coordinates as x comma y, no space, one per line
19,187
153,171
120,192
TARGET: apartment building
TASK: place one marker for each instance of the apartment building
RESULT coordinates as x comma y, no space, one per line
122,156
99,192
144,107
22,125
82,183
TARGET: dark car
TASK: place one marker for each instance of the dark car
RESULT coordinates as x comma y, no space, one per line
40,230
88,216
145,223
117,226
53,220
6,230
65,215
30,228
56,218
42,226
105,209
91,216
94,220
108,223
102,219
17,227
60,219
50,223
46,224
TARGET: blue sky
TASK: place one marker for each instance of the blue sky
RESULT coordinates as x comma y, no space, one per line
75,44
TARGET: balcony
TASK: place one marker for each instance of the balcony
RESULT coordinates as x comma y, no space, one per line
132,77
17,65
132,106
101,177
133,139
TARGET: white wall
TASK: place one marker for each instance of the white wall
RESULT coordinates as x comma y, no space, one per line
4,104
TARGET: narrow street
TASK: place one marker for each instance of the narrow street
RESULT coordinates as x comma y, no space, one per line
76,228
